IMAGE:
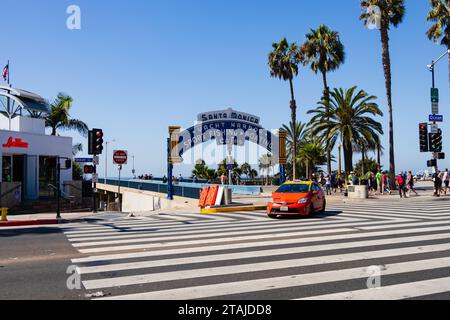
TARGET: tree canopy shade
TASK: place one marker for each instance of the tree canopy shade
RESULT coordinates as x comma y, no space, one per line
324,52
385,13
440,31
283,63
59,117
348,117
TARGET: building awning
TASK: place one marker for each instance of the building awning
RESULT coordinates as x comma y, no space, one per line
25,100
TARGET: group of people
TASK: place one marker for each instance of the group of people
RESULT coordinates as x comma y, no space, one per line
377,183
146,177
441,182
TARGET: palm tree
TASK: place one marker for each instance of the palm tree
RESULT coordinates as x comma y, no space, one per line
266,163
59,117
389,12
345,118
440,30
295,133
246,169
324,52
283,64
312,154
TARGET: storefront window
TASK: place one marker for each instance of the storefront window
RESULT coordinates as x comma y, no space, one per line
47,177
7,169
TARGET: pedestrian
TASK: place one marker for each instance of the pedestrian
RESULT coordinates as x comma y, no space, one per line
223,179
372,183
410,183
355,181
350,178
379,178
401,185
328,185
437,183
446,179
386,183
333,182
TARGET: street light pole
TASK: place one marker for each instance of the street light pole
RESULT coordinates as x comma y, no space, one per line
106,158
431,67
134,171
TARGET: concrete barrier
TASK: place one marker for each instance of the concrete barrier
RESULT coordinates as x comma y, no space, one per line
358,192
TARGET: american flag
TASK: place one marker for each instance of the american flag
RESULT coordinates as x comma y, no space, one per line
5,72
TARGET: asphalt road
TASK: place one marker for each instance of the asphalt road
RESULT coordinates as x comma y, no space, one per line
33,264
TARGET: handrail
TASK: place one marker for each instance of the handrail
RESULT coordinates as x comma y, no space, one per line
10,191
64,195
73,186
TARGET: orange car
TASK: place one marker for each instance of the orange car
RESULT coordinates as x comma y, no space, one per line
297,198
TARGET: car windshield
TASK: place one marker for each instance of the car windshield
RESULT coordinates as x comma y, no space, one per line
294,188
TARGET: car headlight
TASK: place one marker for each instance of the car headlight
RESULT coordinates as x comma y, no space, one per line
303,201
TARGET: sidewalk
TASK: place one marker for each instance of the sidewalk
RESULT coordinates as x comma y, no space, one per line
44,219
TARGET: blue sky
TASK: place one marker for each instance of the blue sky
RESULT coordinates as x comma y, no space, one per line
139,66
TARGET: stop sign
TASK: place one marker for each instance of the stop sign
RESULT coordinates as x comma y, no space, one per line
120,157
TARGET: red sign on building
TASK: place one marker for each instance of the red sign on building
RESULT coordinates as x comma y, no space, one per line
15,143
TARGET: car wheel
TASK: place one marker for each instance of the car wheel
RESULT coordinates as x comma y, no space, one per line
273,216
311,210
324,206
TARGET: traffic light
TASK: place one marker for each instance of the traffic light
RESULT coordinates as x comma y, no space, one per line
423,129
436,141
89,170
95,146
432,163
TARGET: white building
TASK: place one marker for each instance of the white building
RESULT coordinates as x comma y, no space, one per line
28,155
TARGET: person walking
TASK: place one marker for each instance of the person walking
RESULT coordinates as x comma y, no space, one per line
446,178
328,185
401,185
223,179
379,178
334,184
437,184
386,183
371,183
410,184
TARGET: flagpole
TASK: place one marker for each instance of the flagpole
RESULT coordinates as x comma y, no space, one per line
9,71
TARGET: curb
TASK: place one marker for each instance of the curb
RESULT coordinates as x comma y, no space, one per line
233,209
5,224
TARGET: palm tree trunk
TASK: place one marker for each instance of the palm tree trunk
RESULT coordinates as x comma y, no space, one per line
326,94
294,121
53,130
387,75
363,167
379,156
348,158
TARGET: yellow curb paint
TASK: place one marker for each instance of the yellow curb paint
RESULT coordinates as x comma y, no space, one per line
233,209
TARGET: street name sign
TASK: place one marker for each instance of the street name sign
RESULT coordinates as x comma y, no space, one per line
120,157
84,160
436,118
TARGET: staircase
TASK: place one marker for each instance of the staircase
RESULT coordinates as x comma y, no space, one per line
50,206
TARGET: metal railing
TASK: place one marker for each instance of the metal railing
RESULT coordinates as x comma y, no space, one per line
181,190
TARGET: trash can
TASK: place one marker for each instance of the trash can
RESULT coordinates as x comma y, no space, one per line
228,196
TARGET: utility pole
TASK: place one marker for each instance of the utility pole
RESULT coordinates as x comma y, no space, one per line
435,101
106,157
58,187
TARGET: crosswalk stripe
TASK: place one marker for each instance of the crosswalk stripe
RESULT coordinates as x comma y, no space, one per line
394,292
194,234
206,242
298,280
272,265
268,227
258,242
266,253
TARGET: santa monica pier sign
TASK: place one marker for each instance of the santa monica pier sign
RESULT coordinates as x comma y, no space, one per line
227,127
